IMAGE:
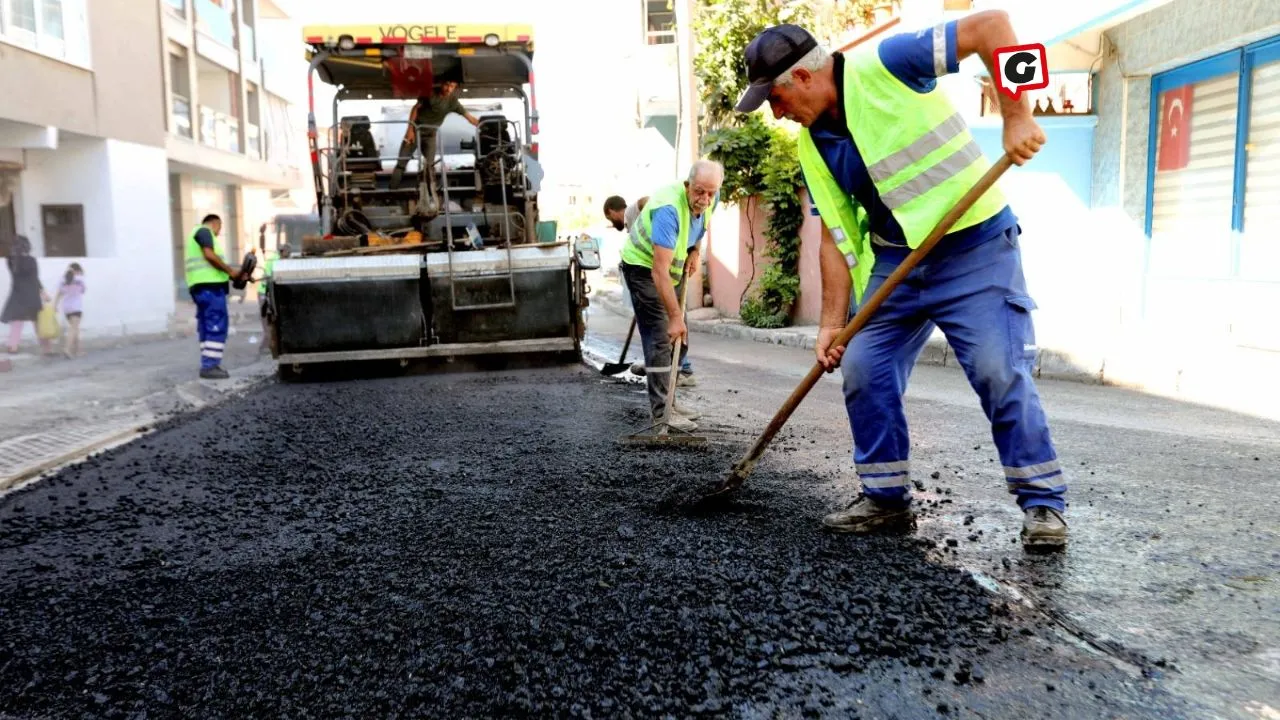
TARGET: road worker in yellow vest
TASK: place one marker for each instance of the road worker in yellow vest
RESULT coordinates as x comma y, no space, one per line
661,247
885,155
208,279
622,216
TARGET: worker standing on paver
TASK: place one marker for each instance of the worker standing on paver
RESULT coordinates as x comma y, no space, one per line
882,144
208,280
429,112
661,248
622,216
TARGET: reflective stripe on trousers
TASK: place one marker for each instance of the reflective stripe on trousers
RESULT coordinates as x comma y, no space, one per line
988,325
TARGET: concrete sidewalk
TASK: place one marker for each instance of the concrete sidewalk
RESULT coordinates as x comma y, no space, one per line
1228,378
55,409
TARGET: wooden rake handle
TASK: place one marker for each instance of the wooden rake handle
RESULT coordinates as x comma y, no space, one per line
748,461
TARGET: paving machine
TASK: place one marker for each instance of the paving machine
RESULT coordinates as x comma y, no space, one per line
453,259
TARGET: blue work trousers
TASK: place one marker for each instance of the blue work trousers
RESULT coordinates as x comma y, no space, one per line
978,298
211,323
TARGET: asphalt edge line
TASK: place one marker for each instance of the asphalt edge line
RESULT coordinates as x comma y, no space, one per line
38,472
29,477
1133,662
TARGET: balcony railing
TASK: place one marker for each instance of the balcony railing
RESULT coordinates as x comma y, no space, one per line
215,22
660,37
219,130
180,111
247,48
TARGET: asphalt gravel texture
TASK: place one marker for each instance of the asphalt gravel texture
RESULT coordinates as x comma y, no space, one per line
478,545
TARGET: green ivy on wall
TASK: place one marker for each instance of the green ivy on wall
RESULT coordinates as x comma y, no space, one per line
758,154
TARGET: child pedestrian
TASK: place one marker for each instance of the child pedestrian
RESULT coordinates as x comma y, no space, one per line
71,300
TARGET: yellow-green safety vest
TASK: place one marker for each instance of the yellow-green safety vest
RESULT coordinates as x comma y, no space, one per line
197,269
639,248
920,154
267,266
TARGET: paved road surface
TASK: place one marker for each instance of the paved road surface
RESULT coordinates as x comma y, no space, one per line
476,544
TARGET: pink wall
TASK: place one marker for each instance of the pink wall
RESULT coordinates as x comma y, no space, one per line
809,306
729,259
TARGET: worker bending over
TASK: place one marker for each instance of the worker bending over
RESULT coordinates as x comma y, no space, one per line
881,144
661,249
622,216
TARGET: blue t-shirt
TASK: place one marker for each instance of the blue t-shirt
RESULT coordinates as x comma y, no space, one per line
204,237
666,227
910,58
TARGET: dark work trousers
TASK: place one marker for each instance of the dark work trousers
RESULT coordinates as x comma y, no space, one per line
686,367
651,321
425,166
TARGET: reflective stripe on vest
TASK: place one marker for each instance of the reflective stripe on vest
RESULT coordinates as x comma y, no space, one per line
639,248
846,220
266,272
920,153
196,268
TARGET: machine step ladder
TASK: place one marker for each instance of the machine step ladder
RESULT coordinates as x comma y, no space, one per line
454,278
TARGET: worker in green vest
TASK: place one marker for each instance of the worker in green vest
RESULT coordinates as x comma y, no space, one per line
208,280
268,265
885,155
661,248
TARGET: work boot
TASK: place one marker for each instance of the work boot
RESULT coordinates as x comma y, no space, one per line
678,422
1043,530
866,515
684,410
214,373
637,369
685,379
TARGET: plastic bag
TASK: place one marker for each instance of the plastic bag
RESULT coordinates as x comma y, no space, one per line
47,323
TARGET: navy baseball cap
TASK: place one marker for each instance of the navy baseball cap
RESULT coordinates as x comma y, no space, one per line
770,54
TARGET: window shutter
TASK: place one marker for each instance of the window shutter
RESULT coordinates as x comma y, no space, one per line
1259,248
1191,206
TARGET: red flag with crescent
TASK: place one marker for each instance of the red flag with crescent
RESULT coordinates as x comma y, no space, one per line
410,78
1175,129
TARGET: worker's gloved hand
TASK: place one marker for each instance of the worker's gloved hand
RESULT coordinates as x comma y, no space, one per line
828,357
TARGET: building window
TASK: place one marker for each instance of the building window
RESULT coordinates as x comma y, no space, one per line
179,7
179,95
22,16
1213,176
252,133
52,17
216,19
57,28
1192,184
660,22
1259,248
63,227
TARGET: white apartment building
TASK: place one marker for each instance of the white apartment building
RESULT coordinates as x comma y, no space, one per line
110,150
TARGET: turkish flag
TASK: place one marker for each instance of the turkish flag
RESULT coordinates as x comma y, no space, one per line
410,78
1175,129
